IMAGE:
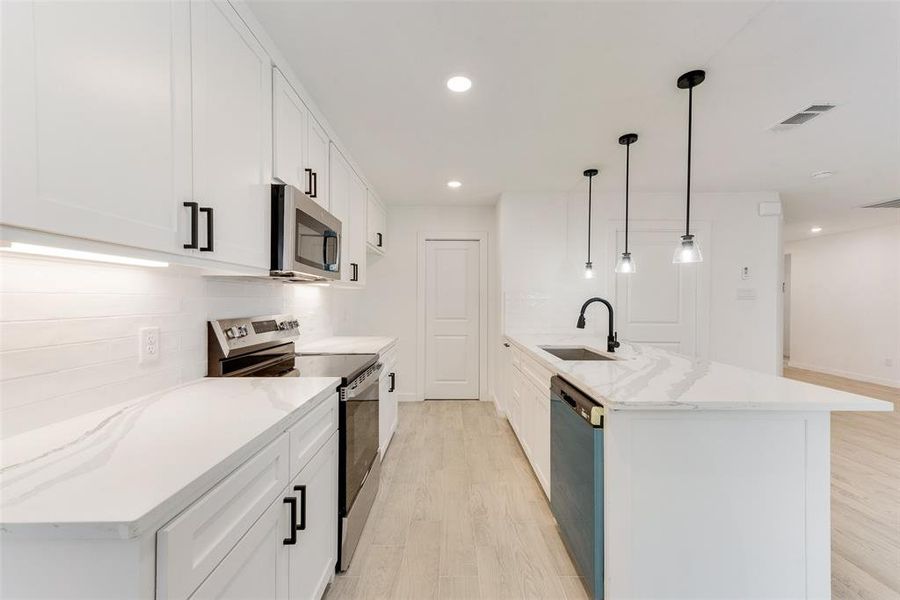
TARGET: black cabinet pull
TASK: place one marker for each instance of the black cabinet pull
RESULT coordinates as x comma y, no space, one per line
380,239
505,345
302,490
393,377
355,275
209,229
308,181
314,185
195,227
290,541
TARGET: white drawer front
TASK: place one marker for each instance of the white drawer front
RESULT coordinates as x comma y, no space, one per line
312,431
190,546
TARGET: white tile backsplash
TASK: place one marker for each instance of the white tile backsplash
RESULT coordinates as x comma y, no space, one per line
69,331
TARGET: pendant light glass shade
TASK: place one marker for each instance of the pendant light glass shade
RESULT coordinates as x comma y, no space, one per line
625,264
588,270
688,251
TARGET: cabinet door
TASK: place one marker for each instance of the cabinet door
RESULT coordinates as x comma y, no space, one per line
96,120
290,134
313,558
232,85
318,161
358,205
339,175
540,446
376,223
257,567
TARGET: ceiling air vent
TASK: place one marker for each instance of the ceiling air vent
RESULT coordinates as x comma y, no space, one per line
886,204
802,117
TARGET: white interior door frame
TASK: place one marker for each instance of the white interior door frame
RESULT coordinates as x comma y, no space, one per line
482,237
703,231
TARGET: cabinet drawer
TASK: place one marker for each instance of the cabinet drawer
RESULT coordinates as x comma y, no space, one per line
190,546
312,432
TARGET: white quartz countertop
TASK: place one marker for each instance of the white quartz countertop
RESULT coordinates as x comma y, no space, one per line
129,468
646,377
347,344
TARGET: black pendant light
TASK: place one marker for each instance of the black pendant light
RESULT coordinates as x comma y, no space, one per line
689,250
588,266
625,265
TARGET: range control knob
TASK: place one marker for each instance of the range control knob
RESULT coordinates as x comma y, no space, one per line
283,325
242,329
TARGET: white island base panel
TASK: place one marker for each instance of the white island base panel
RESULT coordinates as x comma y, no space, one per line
717,504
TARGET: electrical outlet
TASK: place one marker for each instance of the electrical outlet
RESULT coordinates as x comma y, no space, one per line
148,348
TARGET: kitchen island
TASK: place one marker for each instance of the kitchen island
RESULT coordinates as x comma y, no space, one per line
716,479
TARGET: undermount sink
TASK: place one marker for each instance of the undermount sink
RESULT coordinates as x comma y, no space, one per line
574,353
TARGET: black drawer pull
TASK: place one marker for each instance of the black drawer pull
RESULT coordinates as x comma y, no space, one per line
354,276
195,231
308,182
209,229
302,490
290,541
393,377
315,185
380,239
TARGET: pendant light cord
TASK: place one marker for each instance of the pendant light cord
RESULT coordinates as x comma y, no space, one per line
627,165
590,181
687,220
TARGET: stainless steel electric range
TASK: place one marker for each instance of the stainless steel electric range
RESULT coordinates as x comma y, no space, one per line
264,347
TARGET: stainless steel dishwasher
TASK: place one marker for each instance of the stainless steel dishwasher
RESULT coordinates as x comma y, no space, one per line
576,482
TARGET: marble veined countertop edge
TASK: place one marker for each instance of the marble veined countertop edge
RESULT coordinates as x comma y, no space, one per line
348,344
125,470
644,377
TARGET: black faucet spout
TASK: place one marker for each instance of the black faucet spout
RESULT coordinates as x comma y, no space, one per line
612,337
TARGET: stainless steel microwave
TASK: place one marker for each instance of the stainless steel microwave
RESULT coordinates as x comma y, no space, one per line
306,238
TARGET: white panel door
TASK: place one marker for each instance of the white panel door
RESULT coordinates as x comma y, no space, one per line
656,305
289,131
451,319
257,567
96,120
232,84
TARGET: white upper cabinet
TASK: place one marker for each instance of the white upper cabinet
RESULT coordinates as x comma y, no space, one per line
376,224
97,120
290,131
317,161
232,119
348,203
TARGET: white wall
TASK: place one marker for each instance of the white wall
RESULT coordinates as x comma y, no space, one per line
68,331
845,296
387,305
543,240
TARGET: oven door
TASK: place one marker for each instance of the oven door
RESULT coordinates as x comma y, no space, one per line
359,436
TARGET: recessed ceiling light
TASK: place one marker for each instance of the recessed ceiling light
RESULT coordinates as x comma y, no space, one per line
822,174
815,229
459,83
453,184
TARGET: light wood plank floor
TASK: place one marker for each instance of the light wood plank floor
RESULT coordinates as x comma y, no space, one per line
459,515
865,493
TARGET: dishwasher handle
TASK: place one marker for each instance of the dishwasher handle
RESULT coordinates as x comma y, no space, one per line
590,410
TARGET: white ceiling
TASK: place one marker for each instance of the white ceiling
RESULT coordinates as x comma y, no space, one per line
556,83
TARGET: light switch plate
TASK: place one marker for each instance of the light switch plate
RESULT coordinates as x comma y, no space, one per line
745,273
148,344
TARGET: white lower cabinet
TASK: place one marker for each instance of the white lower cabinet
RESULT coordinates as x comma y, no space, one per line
260,533
387,400
525,386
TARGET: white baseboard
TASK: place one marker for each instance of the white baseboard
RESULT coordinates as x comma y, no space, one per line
407,397
848,374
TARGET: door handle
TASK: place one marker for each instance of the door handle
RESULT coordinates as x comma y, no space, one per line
314,185
195,231
393,377
355,275
209,229
380,239
308,181
302,525
290,541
